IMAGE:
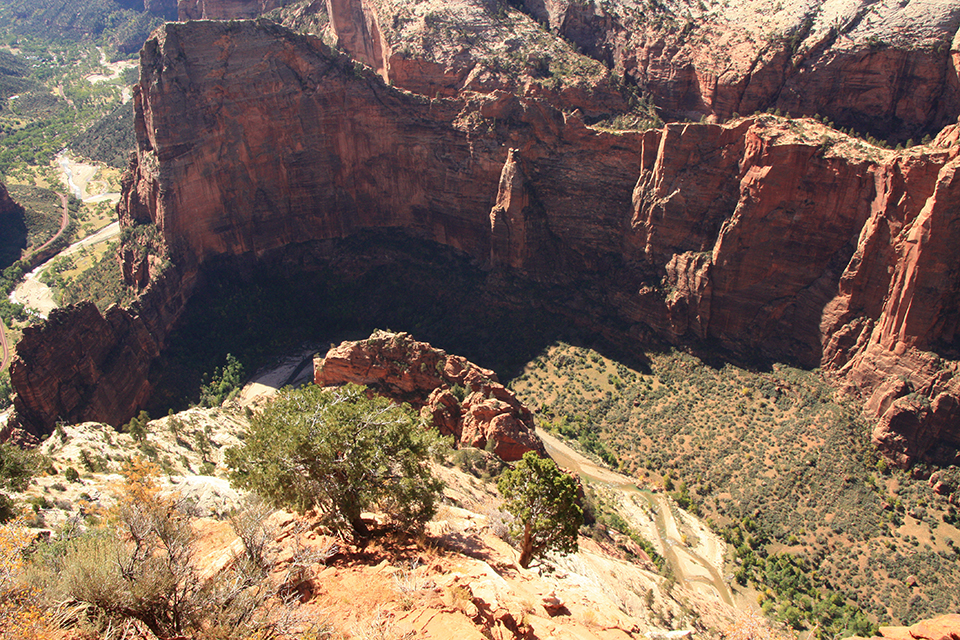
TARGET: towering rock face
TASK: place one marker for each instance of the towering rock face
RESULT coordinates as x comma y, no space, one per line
83,365
399,367
887,68
356,30
438,49
769,237
280,140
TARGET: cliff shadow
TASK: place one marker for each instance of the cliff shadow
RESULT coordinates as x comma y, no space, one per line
318,294
13,236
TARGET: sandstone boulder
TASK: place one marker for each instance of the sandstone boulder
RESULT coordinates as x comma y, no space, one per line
458,397
946,627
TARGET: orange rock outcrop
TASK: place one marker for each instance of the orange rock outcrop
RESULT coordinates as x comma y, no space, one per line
945,627
399,367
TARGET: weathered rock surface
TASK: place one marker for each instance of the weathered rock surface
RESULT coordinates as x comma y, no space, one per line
224,9
943,628
439,49
889,68
768,237
399,367
81,365
885,68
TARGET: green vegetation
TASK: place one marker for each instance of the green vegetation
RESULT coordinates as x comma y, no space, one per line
14,80
778,465
105,22
137,569
480,464
543,501
102,282
43,212
8,313
342,453
110,139
224,385
17,468
600,516
54,103
798,596
86,276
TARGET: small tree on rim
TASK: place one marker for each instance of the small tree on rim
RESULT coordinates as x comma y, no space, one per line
340,452
543,500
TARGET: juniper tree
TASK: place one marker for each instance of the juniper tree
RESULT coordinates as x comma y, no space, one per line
341,452
543,501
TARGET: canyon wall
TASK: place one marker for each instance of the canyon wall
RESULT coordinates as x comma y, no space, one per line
82,365
888,68
767,237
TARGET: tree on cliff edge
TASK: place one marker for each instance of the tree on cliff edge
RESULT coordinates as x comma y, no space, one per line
340,452
543,500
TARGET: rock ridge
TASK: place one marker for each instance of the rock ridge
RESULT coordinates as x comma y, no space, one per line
83,365
458,397
886,68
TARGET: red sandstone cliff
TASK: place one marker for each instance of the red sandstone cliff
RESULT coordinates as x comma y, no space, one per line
888,68
766,236
84,365
885,68
399,367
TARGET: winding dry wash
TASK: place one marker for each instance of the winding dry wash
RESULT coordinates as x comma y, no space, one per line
695,554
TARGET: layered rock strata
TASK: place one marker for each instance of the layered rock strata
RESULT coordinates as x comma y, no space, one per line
889,68
83,365
456,396
768,237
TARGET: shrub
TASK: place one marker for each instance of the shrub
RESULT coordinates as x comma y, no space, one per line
140,568
22,617
340,452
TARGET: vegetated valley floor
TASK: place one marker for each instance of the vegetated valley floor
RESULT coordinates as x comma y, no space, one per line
774,460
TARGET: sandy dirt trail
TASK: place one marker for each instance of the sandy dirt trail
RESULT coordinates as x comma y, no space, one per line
695,553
